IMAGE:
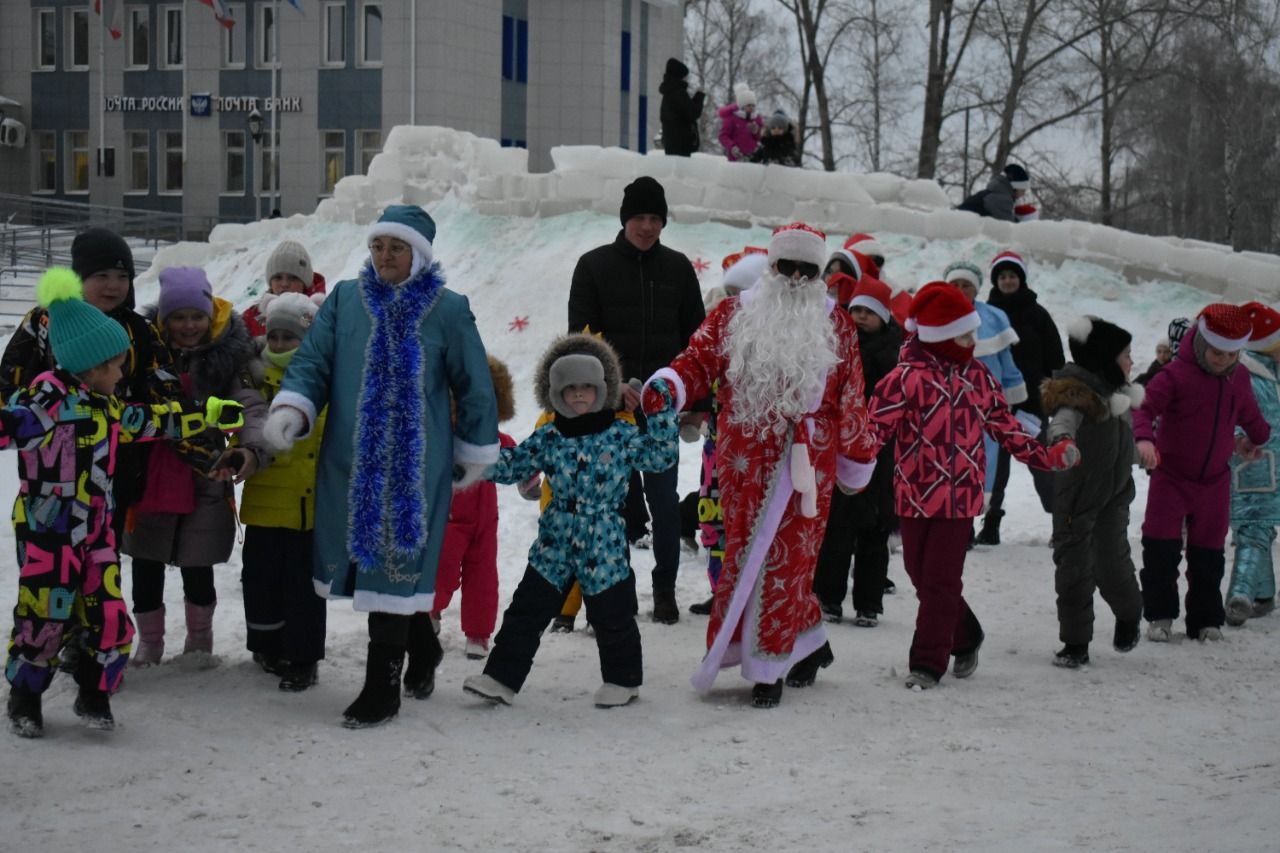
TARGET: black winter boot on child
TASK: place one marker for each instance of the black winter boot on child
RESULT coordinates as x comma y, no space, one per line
93,705
1127,634
425,654
379,701
25,717
990,532
1072,656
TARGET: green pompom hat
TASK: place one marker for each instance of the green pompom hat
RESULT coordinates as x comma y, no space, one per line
82,337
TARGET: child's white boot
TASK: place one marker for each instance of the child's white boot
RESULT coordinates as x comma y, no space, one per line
489,689
615,695
1160,630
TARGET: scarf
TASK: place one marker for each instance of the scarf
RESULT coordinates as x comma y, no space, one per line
387,509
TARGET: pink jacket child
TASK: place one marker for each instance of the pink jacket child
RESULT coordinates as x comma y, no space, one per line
740,125
1199,399
936,404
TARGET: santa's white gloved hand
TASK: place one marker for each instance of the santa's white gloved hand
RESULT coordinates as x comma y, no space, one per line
283,427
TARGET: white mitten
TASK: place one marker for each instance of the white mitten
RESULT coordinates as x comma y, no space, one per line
282,428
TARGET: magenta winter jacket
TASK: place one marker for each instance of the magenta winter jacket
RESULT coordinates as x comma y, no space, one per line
738,132
937,410
1198,414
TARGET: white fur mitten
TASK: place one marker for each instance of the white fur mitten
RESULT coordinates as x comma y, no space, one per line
283,427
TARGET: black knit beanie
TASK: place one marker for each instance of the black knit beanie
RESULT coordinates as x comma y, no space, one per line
1095,344
643,195
98,249
677,69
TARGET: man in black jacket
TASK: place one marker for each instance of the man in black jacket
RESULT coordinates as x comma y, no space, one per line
645,300
678,112
1000,197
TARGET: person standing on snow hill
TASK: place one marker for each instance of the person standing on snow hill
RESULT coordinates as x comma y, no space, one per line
66,424
778,144
186,517
1090,402
645,300
740,125
1255,494
792,421
1186,434
678,112
936,404
1000,198
587,453
385,352
288,271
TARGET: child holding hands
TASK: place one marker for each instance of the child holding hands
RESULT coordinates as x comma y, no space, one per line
587,454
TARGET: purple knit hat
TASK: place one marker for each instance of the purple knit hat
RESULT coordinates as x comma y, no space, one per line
184,287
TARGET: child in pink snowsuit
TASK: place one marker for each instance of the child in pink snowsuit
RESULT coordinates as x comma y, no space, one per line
1199,397
936,404
469,554
740,125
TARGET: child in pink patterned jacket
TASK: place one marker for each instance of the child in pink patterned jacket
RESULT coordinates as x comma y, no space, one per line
936,404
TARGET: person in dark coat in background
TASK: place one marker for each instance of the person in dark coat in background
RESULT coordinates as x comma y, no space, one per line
1164,352
1038,353
645,300
679,113
778,143
998,199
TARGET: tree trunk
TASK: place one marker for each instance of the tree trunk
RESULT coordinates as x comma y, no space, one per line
935,90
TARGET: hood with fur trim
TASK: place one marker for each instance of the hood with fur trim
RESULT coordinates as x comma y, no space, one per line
503,389
1073,387
578,343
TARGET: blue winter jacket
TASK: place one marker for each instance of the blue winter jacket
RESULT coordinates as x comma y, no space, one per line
1255,495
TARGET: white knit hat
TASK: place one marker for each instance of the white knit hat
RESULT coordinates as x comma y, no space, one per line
743,95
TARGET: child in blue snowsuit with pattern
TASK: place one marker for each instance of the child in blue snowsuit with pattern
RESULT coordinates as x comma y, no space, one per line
587,455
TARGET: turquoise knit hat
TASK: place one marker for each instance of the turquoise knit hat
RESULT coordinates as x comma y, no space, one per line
408,223
82,337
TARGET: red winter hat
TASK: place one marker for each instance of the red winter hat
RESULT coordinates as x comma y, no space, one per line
940,312
1266,326
798,242
1026,212
733,258
901,306
873,294
866,244
1225,327
1009,260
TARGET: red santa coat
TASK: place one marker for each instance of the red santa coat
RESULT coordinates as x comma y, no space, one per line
765,616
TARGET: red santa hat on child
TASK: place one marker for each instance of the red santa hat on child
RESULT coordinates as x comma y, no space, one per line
1266,326
866,244
940,312
874,295
1009,260
1225,327
1025,212
798,242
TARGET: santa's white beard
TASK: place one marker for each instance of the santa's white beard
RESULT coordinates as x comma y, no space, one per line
781,345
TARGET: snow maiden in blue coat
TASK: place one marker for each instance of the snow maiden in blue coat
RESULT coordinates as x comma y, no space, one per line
588,455
384,353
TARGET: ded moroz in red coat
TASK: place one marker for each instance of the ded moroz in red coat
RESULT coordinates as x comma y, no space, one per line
764,615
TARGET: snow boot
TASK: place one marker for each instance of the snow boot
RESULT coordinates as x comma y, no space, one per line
93,705
615,695
477,648
489,689
1239,609
562,625
832,613
702,608
805,672
297,677
425,655
990,532
379,700
1210,634
1160,631
150,646
890,587
665,609
25,716
1072,656
1127,634
199,628
270,664
767,695
918,680
866,619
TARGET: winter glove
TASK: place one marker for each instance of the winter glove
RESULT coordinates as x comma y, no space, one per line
657,397
1148,456
283,427
226,415
1064,455
691,426
531,489
236,463
1246,448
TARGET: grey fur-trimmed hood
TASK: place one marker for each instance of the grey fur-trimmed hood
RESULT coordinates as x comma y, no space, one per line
584,344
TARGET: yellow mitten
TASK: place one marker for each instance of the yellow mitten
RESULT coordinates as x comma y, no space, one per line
226,415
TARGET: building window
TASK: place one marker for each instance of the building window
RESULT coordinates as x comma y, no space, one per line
335,159
265,54
371,34
626,61
233,39
77,40
171,37
139,161
171,160
46,147
513,143
370,142
233,162
515,49
77,161
335,34
268,162
139,50
46,46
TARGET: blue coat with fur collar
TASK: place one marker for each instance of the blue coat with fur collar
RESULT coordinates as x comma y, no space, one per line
388,432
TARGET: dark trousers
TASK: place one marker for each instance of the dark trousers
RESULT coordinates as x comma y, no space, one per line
148,585
283,615
536,601
1205,567
1091,551
634,511
866,545
664,508
933,552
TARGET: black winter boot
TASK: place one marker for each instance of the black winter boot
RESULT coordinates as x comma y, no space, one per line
92,704
1127,634
25,716
665,609
425,655
1072,656
766,695
379,701
805,672
990,532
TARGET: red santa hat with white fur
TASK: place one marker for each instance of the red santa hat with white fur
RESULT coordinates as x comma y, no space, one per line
940,312
1225,327
1265,335
874,295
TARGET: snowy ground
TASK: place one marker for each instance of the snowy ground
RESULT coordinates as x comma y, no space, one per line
1171,747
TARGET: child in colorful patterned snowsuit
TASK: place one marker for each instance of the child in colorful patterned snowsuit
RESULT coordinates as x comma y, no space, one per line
66,426
936,404
1186,433
587,454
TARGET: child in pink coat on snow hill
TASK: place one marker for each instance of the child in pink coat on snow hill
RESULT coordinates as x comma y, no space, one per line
1199,399
936,404
740,125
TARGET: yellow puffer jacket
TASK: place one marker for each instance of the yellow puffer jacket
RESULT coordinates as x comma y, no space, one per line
283,495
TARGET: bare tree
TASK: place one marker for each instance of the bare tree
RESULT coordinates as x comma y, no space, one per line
878,89
944,17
